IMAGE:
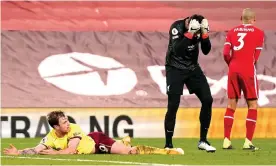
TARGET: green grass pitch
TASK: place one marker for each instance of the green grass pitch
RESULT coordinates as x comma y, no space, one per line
193,156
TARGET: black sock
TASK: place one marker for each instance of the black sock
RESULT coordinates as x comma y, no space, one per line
205,117
203,133
169,136
173,104
205,97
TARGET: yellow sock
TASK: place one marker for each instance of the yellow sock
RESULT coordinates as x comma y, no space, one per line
142,149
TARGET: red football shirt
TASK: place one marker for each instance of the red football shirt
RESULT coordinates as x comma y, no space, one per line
242,48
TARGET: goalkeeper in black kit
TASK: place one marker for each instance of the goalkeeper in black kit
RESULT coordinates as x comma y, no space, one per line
182,68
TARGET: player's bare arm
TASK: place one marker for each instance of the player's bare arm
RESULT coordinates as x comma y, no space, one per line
72,148
12,150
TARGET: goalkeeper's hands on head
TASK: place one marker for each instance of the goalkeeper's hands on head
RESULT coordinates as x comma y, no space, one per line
194,26
204,26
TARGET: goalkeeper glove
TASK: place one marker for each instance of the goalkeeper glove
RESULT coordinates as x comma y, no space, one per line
194,26
204,26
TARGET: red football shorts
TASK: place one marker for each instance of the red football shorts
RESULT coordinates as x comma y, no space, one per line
102,141
248,84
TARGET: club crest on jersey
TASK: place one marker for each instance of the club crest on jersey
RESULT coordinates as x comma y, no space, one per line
76,134
191,47
43,141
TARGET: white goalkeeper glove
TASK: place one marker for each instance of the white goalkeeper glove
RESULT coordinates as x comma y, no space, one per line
194,26
204,26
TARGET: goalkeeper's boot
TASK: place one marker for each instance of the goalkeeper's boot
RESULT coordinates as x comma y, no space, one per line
205,145
170,146
248,145
227,144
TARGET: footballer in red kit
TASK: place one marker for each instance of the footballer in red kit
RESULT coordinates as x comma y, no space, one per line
246,41
241,52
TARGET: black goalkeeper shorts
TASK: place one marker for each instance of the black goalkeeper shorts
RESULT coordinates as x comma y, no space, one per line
194,80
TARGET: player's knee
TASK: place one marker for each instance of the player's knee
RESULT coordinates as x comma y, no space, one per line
232,104
253,104
173,104
174,101
207,101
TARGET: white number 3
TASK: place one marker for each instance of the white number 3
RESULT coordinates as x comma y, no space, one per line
241,37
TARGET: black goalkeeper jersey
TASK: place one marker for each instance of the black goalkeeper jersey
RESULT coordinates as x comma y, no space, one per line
183,52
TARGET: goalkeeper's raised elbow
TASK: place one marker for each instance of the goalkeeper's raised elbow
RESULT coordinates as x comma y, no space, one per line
206,47
206,52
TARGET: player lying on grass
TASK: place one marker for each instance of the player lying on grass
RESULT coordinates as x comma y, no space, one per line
69,138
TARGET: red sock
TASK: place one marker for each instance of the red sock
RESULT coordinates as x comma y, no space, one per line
251,123
228,122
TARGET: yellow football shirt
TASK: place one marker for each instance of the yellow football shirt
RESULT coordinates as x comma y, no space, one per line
86,145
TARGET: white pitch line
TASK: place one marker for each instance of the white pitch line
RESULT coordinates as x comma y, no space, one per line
86,160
